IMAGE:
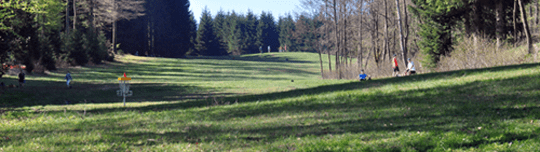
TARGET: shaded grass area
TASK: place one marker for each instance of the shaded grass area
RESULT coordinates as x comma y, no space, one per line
159,79
493,109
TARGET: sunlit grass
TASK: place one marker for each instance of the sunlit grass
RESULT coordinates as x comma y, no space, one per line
224,104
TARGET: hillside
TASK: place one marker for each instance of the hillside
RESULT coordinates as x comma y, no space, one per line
249,103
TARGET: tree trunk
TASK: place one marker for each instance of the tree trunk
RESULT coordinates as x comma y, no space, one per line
500,24
114,28
526,29
74,15
338,69
537,13
360,48
114,37
329,54
91,17
407,32
515,23
345,46
386,35
375,37
326,32
402,40
320,61
67,17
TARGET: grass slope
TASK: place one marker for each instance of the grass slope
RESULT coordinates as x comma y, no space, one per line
250,104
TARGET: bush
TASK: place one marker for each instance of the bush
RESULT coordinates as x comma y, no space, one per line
76,51
95,46
47,61
84,47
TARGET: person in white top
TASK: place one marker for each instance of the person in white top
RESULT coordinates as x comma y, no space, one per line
410,68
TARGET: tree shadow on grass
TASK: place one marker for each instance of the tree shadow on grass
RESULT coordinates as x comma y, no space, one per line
57,93
356,86
433,112
259,58
458,109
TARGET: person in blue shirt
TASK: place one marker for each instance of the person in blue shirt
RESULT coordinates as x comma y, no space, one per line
363,76
68,79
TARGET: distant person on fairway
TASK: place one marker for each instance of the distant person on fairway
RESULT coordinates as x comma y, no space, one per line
410,68
21,78
363,76
269,49
260,49
68,79
395,66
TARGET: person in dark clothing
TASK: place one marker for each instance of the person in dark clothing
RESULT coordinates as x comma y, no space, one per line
21,78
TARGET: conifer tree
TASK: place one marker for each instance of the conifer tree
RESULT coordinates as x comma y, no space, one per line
207,43
219,29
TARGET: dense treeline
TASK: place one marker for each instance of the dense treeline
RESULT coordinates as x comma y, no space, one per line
42,33
238,34
235,34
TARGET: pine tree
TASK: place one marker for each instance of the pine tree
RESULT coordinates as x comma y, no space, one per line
219,29
251,32
207,43
286,31
267,32
234,34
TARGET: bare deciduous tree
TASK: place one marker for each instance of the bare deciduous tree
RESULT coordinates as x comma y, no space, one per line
526,29
111,11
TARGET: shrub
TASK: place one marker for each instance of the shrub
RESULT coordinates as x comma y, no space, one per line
95,46
74,45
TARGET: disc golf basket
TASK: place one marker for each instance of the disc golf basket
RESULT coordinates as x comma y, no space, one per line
124,88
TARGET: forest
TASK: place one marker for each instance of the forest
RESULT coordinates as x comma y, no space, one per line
45,34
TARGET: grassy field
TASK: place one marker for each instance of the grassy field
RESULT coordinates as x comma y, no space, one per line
249,103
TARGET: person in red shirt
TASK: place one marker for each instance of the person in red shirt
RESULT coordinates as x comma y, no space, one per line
395,66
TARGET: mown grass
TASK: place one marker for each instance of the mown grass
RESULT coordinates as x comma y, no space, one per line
250,104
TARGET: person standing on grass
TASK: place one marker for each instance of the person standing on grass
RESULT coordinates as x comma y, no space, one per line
68,79
21,78
410,67
269,49
395,66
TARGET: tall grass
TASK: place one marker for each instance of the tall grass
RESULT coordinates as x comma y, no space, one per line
464,56
372,69
486,54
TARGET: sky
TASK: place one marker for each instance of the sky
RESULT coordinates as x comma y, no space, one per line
276,7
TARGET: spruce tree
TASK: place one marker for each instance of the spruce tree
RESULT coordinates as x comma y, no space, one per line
233,34
207,43
251,32
267,32
220,30
286,31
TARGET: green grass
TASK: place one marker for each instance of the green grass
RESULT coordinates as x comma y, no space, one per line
250,104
